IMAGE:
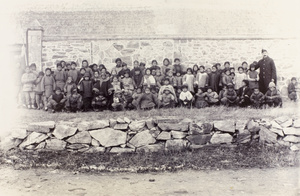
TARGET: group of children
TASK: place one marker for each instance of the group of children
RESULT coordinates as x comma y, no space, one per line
167,86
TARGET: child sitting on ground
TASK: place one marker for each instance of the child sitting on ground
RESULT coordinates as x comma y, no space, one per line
167,84
200,101
99,102
57,101
185,97
292,89
244,94
74,101
128,99
147,101
257,98
167,99
136,95
118,101
273,98
230,96
221,93
212,97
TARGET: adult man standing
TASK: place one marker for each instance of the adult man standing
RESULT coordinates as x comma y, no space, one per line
267,72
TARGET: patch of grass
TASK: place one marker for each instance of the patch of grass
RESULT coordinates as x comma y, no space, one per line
255,156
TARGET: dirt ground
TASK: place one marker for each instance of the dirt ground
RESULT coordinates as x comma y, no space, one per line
279,181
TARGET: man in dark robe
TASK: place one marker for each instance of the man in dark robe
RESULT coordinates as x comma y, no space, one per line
267,72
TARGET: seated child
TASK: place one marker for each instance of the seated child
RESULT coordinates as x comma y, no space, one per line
272,96
221,94
117,85
178,91
128,99
118,101
99,102
230,96
69,86
200,101
257,98
166,84
212,97
244,94
167,99
96,77
185,97
137,77
136,95
292,89
127,81
74,101
57,101
147,100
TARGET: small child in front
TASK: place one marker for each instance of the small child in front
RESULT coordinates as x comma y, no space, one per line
57,101
185,97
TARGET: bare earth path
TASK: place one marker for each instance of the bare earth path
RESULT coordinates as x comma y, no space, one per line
279,181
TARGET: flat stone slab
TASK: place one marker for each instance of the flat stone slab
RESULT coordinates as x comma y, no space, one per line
167,119
176,144
142,138
225,126
55,144
221,138
253,126
275,125
164,135
19,133
95,142
292,139
121,120
291,131
62,131
77,146
82,137
137,125
199,139
121,126
92,125
109,137
173,127
282,119
296,123
150,123
277,131
33,138
152,148
95,149
121,150
178,134
112,122
41,127
265,135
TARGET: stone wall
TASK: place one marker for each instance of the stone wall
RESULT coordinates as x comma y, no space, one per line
123,135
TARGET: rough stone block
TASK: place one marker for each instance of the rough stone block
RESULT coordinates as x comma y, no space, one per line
178,134
275,125
109,137
137,125
173,127
282,119
152,148
296,123
164,135
62,131
199,139
95,149
112,122
265,135
277,131
122,150
176,144
41,127
121,126
142,138
82,137
55,144
127,120
121,120
150,123
167,119
32,138
95,142
292,139
224,138
77,146
225,126
19,133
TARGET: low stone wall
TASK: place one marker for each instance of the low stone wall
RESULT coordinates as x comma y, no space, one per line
123,135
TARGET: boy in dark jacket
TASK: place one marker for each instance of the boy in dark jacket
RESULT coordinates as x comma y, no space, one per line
118,101
99,102
167,99
56,101
74,102
257,98
230,97
147,101
292,89
244,94
272,96
86,89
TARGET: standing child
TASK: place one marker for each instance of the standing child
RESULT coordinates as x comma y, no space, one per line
48,86
200,101
147,100
158,78
143,68
226,79
117,85
28,79
195,70
239,78
178,80
154,67
149,80
127,81
74,102
292,89
60,76
201,78
214,79
85,88
245,67
57,101
167,99
257,98
185,97
189,80
212,97
39,91
166,65
136,95
96,77
169,75
69,86
272,96
85,65
138,78
73,72
253,77
244,94
80,76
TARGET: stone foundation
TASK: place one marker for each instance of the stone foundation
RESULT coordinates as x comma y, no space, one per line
123,135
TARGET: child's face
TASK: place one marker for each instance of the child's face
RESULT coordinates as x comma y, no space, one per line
153,72
103,70
166,82
153,91
252,68
126,75
139,91
227,72
184,89
201,69
244,84
33,68
230,89
69,80
170,73
256,91
241,71
137,72
84,64
154,63
167,92
158,72
95,67
147,91
272,88
209,90
177,74
125,67
208,70
148,72
136,64
294,81
103,76
86,78
227,65
213,69
59,68
177,62
119,63
189,72
179,90
82,71
219,66
57,92
48,72
115,79
245,66
96,74
199,90
68,66
166,62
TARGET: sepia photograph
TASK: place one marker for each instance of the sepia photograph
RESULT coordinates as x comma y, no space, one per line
158,98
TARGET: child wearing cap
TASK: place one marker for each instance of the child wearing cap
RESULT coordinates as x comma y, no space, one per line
48,85
167,99
239,78
292,89
147,100
257,98
230,96
99,102
28,79
166,84
56,101
60,76
244,94
118,101
185,97
212,97
253,77
272,96
85,88
74,101
200,101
